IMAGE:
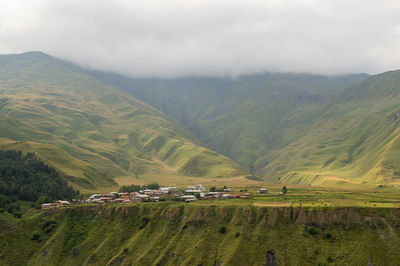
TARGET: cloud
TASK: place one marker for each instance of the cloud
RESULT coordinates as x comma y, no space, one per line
170,38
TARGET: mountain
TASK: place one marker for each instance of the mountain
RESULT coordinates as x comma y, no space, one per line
264,122
100,128
94,134
355,138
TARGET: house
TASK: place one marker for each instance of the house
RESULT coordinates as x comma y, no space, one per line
234,196
148,192
177,193
246,196
214,195
117,200
263,191
195,189
127,197
51,205
225,196
63,202
106,199
94,196
155,198
166,190
188,198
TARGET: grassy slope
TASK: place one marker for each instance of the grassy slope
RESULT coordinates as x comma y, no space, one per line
92,132
188,235
261,121
356,138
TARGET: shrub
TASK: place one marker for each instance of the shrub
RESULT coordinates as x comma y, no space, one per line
237,234
12,207
328,236
35,235
143,222
48,230
17,215
2,210
147,200
222,229
329,259
312,230
48,225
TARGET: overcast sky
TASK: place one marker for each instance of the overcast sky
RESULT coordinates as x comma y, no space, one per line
171,38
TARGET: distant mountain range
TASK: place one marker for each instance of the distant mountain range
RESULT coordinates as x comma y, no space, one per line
100,128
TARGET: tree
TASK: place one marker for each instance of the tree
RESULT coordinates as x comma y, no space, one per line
284,189
25,177
129,189
213,189
151,186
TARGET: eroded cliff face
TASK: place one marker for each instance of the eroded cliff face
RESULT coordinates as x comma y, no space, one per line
157,234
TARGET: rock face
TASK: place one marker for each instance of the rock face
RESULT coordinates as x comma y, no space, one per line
270,258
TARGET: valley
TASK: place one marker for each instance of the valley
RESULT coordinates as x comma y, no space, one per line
332,142
288,128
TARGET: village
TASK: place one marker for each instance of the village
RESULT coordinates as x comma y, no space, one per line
190,194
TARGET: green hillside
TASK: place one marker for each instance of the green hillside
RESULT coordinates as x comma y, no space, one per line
354,139
162,234
94,134
266,123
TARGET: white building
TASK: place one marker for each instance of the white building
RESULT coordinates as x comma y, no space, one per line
195,189
188,198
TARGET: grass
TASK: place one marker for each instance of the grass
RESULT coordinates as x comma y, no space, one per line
316,197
